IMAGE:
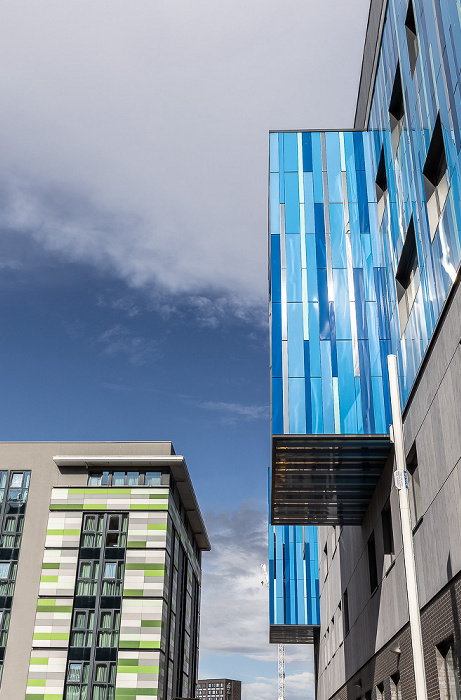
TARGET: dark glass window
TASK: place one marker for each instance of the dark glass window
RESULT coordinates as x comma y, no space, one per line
124,478
104,681
82,628
87,580
414,486
4,626
388,535
382,193
346,612
77,681
396,110
412,36
372,569
447,672
116,531
407,277
436,184
108,630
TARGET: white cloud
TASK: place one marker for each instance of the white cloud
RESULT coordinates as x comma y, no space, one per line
120,341
135,139
234,411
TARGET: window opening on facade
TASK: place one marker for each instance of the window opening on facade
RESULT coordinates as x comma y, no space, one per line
435,177
396,110
388,535
346,612
91,668
414,487
412,36
325,561
382,192
407,277
372,568
396,688
126,478
380,691
447,672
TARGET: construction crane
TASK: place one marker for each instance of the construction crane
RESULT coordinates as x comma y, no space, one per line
280,649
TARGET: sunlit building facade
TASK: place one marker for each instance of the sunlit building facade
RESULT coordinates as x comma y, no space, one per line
365,250
100,572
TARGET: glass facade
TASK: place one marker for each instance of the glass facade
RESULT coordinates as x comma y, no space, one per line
365,246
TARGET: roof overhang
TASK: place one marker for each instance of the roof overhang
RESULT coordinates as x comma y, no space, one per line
325,479
293,634
178,469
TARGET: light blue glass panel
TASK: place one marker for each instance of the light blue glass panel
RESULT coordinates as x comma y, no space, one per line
290,154
309,203
316,402
274,203
327,387
297,406
350,166
373,337
280,617
311,256
368,272
274,152
335,188
291,203
317,167
378,405
277,406
342,305
346,385
338,237
358,401
370,169
295,340
314,342
293,264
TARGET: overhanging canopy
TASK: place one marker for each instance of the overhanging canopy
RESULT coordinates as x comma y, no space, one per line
325,479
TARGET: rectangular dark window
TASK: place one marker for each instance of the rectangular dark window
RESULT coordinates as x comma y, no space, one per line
412,36
407,277
396,110
125,478
372,569
388,535
414,486
447,672
382,192
436,184
346,612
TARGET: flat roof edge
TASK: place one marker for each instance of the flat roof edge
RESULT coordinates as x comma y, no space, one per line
370,58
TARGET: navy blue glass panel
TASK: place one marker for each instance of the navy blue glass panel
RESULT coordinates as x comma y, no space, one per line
364,219
366,388
324,311
307,371
359,287
276,340
320,235
307,152
275,269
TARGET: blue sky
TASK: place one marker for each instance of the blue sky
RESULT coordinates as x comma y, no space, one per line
133,263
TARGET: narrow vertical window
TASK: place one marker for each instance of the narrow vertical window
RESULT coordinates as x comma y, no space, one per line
414,487
396,689
407,277
396,110
372,569
346,612
382,192
388,535
435,178
380,691
325,561
447,672
412,36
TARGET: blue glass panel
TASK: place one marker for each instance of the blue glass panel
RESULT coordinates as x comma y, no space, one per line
307,152
378,403
346,385
307,390
342,305
276,338
316,402
327,388
317,167
358,151
359,287
358,402
320,235
290,152
375,354
335,187
297,404
323,304
314,342
291,203
279,612
293,264
364,220
311,257
274,152
309,203
350,166
295,340
366,388
277,406
334,360
282,173
274,203
275,269
338,236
